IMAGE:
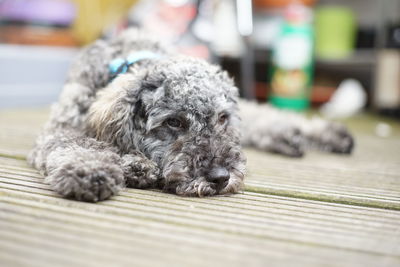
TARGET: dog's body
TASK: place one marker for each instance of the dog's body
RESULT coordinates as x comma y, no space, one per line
170,122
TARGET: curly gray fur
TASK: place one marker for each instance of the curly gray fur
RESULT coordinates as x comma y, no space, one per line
170,123
291,134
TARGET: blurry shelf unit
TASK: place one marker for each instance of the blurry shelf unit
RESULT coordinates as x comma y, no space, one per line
360,65
360,59
328,72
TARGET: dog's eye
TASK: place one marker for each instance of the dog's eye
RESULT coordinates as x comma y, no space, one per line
222,119
174,123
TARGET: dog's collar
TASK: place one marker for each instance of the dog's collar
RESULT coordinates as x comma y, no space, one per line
120,65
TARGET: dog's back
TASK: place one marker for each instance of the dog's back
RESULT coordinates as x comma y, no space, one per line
90,72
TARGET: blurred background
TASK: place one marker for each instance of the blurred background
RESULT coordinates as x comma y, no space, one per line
341,56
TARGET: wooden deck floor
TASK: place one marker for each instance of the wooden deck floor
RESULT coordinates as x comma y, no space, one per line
322,210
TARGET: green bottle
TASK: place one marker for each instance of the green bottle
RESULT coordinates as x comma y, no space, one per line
292,60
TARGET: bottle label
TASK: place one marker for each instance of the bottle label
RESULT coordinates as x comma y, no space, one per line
292,61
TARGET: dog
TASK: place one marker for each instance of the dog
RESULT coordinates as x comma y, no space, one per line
133,113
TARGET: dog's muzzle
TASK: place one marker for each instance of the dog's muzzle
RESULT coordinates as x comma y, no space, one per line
218,175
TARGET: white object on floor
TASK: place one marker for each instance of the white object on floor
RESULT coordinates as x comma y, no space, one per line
348,99
383,130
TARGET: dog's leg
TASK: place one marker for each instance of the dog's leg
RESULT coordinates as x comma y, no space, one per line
327,136
288,133
268,129
140,172
78,167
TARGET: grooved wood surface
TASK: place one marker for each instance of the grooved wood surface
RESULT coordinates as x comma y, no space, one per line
322,210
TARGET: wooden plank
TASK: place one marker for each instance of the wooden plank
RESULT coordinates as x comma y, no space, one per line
349,189
18,130
291,212
240,219
22,173
369,177
251,216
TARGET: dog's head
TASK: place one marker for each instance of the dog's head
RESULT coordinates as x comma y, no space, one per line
183,115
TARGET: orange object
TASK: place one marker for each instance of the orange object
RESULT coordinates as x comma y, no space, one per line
36,35
321,94
281,3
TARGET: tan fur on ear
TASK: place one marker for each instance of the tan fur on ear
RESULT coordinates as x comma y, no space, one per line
101,111
108,111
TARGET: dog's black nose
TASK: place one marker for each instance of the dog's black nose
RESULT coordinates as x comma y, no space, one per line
218,174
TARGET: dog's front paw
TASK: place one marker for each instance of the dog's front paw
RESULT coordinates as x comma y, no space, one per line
283,139
90,181
335,138
289,143
139,171
195,188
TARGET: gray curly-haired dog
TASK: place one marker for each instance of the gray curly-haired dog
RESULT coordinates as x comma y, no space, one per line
168,122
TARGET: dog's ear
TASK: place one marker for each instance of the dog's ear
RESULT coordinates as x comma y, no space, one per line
110,117
119,110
